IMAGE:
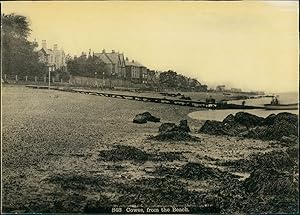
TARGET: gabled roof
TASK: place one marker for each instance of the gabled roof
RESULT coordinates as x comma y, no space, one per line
114,57
103,57
46,51
111,58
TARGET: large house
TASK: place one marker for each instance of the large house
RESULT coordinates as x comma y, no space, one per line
114,61
136,72
53,58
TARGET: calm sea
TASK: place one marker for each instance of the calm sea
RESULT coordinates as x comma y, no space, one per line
284,98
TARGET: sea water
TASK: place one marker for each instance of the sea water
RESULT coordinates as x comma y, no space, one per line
219,115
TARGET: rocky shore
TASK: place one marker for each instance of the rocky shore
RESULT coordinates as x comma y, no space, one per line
65,152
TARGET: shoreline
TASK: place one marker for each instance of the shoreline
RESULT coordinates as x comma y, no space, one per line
57,146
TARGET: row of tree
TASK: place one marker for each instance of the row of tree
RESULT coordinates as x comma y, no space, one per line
91,66
170,79
18,55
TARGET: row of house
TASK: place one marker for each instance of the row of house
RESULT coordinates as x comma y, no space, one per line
120,67
117,65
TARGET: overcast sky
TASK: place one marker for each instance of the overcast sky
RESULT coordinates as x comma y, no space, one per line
250,45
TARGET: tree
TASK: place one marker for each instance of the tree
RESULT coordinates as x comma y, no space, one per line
168,79
91,67
18,55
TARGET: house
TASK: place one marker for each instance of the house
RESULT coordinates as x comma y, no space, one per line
55,58
115,63
136,72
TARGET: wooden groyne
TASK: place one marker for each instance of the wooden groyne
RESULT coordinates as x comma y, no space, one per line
182,102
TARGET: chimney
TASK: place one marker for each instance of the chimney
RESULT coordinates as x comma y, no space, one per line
127,59
89,52
112,51
103,50
44,44
132,61
55,47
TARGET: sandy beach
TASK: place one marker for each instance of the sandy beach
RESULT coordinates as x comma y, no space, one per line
56,145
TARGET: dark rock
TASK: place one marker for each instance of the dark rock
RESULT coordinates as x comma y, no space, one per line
284,116
229,119
213,127
183,126
271,188
273,127
269,120
170,131
151,118
167,127
247,119
145,117
284,124
271,182
140,119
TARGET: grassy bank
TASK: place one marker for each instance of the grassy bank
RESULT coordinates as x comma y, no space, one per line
66,152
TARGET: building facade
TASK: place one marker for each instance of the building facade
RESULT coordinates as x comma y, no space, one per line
136,72
53,58
114,62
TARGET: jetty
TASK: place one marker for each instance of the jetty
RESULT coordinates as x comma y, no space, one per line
182,102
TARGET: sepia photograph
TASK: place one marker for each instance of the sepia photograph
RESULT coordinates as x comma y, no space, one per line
150,107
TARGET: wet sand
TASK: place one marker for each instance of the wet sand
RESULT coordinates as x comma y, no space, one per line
53,142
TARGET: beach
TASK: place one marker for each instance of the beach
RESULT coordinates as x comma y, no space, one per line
60,153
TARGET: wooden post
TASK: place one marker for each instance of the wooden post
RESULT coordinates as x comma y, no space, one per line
61,81
16,77
45,77
49,79
35,79
4,76
52,79
26,77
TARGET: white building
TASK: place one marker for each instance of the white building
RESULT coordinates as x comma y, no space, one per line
52,57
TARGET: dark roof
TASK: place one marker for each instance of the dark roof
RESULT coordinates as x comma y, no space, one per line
133,63
114,57
111,58
103,57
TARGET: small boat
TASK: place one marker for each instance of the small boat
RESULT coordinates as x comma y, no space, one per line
275,105
281,106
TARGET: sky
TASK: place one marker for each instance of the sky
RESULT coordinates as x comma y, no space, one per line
251,45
